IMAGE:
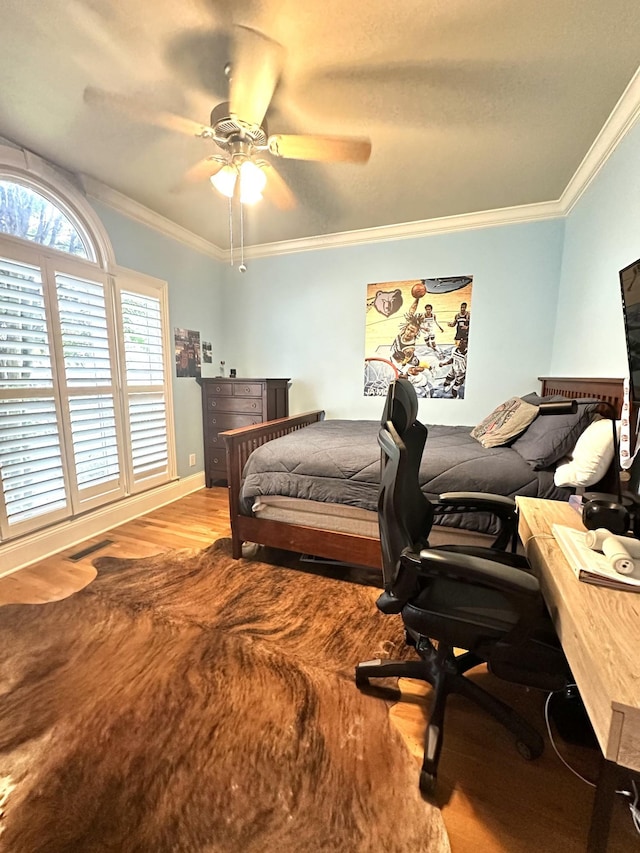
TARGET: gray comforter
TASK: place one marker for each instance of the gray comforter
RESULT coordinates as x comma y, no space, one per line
338,461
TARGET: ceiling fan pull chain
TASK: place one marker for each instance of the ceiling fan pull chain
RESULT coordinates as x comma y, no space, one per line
242,267
230,231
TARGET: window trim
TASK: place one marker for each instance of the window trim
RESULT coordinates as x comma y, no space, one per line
27,169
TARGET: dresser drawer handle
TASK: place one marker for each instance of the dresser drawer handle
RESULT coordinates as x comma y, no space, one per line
213,404
254,406
214,421
247,390
218,389
215,460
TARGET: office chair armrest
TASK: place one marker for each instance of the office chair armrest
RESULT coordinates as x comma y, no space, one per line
519,587
482,499
502,507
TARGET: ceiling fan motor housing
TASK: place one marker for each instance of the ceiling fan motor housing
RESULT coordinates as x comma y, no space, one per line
229,132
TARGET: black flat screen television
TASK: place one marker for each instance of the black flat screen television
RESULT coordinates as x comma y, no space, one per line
630,287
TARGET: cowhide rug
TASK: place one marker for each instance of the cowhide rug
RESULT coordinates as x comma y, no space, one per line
197,703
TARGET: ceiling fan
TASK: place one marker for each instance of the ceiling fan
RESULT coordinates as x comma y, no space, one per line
240,169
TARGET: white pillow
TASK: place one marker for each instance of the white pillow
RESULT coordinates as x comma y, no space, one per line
591,456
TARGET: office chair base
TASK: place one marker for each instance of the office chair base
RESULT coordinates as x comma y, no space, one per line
440,668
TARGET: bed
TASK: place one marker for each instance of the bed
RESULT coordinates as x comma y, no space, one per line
342,526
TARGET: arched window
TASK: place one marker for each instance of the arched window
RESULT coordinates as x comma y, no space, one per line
28,214
81,422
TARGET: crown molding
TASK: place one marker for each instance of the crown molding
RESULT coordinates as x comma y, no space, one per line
623,117
139,213
408,230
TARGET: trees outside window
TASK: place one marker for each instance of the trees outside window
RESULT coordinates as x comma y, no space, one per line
27,214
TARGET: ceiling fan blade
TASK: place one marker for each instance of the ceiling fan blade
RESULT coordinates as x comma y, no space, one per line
134,108
277,190
336,149
255,71
203,170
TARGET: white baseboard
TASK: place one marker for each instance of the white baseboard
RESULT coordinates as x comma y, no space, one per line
29,549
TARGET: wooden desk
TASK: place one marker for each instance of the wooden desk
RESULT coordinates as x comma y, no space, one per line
600,633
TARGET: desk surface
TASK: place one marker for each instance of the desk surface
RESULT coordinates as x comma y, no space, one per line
599,630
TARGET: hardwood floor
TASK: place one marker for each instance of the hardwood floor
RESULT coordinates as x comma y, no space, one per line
492,800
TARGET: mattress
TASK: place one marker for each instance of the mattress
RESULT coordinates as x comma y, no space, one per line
347,519
319,514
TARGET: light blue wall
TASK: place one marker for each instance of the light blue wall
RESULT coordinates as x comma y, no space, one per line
195,302
303,316
602,237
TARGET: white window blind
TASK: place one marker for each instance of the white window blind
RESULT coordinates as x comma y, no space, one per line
25,359
33,479
89,367
31,461
147,386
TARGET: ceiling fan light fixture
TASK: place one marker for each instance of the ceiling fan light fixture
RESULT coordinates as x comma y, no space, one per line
252,182
250,196
225,180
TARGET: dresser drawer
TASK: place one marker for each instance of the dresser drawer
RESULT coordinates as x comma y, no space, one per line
247,389
219,421
213,441
220,389
236,404
217,462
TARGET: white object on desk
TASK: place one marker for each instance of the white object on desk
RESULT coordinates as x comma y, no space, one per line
618,557
590,566
595,538
621,550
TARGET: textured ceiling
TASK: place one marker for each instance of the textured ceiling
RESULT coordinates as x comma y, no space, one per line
469,105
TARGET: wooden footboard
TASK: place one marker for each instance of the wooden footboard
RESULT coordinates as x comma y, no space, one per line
338,546
321,543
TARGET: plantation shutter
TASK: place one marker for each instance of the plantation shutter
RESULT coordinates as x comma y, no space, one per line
32,473
93,423
143,312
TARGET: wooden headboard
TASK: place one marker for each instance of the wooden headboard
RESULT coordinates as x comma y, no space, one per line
607,390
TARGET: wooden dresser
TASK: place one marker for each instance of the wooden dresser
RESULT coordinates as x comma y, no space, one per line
228,403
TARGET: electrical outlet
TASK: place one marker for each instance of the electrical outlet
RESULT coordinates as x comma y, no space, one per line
192,459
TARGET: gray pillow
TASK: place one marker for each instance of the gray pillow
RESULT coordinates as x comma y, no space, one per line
550,437
504,423
535,399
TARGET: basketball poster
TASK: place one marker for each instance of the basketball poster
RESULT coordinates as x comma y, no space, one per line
418,329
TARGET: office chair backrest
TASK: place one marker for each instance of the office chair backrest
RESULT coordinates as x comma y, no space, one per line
401,405
405,515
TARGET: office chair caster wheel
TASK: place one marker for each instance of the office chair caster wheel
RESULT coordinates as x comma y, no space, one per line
527,751
361,680
409,639
427,783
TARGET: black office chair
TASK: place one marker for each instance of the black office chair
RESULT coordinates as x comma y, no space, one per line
482,600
